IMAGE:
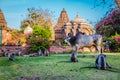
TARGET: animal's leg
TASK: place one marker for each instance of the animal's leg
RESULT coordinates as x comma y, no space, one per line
91,51
74,54
74,57
83,52
99,49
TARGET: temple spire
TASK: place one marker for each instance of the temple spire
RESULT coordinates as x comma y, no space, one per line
63,18
3,23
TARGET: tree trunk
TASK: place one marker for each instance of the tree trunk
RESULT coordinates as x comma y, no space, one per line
118,3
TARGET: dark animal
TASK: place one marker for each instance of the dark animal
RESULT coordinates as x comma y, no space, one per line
40,52
33,55
80,41
17,52
101,62
46,52
4,52
73,57
10,56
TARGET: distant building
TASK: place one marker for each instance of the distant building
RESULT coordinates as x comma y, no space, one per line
6,36
3,23
64,26
59,33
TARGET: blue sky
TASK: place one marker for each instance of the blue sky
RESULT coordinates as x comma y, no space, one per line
15,11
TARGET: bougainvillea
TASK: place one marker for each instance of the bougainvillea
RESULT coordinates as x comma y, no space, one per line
112,18
117,40
109,24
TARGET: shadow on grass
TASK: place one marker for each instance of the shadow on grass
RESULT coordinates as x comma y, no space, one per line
115,70
64,62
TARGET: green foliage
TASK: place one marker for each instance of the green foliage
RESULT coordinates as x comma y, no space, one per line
115,42
1,44
39,38
41,32
37,16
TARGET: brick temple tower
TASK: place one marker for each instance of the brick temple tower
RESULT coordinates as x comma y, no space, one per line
60,23
3,23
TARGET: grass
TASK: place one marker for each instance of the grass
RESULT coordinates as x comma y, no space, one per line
56,67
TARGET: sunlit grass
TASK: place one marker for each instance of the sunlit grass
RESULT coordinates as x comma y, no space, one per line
58,67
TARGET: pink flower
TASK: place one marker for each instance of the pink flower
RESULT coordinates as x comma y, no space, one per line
117,39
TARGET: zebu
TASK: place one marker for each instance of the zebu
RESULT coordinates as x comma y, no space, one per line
81,40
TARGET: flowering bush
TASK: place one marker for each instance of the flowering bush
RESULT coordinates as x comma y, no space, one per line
112,18
39,39
109,24
115,42
35,44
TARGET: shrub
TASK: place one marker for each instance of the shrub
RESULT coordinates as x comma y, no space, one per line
36,44
39,39
115,42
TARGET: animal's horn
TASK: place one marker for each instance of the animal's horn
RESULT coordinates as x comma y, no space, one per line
101,51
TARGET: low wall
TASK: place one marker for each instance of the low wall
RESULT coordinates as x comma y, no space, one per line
60,49
53,49
13,48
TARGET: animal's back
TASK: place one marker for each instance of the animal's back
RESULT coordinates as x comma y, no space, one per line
86,40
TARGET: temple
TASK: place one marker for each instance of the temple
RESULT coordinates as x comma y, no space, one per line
64,26
6,36
59,33
3,23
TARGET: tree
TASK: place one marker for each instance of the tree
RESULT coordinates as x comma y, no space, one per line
109,25
42,32
38,17
40,38
105,2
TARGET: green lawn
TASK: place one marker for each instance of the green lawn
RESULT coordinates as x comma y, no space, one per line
57,67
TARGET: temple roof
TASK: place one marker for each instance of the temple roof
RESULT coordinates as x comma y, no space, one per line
78,19
63,10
